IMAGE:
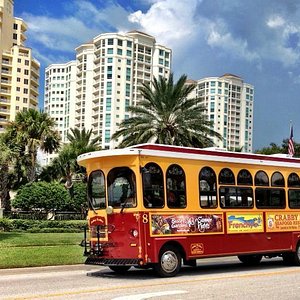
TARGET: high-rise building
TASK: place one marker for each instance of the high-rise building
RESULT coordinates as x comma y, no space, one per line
109,71
229,105
60,94
19,71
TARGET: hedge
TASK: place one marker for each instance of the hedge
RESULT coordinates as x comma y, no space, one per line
42,226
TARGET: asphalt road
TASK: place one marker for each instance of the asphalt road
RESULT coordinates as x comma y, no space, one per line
220,278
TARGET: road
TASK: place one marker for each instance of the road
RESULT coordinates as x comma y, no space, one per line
218,278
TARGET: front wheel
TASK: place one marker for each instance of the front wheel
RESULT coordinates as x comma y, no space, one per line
120,269
169,262
250,260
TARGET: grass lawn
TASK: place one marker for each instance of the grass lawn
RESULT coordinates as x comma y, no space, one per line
39,249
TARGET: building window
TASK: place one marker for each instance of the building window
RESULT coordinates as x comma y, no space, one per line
15,36
110,50
15,26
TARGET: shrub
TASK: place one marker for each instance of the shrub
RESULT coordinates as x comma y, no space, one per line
41,196
5,225
78,202
42,226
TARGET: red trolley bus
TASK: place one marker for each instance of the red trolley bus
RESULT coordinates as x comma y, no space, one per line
160,206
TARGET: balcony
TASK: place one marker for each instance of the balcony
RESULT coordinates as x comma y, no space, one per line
4,101
5,91
5,82
6,72
4,110
6,62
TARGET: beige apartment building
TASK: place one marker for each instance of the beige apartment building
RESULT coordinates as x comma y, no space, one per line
109,71
229,105
19,71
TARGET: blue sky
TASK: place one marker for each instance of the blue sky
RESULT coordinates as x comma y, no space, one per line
258,40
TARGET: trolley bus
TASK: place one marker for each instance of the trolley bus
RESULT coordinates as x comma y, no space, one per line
159,206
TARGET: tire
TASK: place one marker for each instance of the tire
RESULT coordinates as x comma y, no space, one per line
292,258
250,260
169,262
120,269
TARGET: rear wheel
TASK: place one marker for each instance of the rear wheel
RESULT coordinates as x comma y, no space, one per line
292,258
250,260
169,262
120,269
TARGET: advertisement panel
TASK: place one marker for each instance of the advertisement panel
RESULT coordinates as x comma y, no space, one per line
282,221
184,224
244,222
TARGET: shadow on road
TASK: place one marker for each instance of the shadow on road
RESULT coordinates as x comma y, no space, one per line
203,268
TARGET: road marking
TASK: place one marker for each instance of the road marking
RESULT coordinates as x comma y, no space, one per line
149,295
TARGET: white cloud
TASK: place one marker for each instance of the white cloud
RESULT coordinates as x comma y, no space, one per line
275,21
228,43
68,32
169,23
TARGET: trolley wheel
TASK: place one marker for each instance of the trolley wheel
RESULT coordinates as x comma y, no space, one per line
250,260
169,262
292,258
119,269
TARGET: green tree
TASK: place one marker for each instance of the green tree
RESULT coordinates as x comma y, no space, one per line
65,167
34,130
283,148
6,161
166,116
41,195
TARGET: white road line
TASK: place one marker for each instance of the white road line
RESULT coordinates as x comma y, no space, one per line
149,295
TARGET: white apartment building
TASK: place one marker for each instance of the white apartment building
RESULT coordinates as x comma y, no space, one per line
109,71
19,71
60,95
229,104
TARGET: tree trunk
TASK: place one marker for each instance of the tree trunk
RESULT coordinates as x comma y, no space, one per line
4,187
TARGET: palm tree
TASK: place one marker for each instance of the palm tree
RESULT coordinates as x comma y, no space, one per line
167,116
82,142
8,157
64,166
34,130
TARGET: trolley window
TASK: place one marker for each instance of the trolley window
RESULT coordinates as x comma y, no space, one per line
235,197
261,178
121,187
270,198
277,179
207,187
244,178
96,190
153,185
293,180
176,193
226,176
294,198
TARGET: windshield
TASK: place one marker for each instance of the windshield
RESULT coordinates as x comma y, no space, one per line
121,188
96,190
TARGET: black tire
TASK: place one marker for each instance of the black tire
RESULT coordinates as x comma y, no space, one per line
120,269
297,255
292,258
250,260
169,262
288,258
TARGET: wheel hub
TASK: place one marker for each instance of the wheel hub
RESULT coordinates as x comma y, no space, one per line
169,261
